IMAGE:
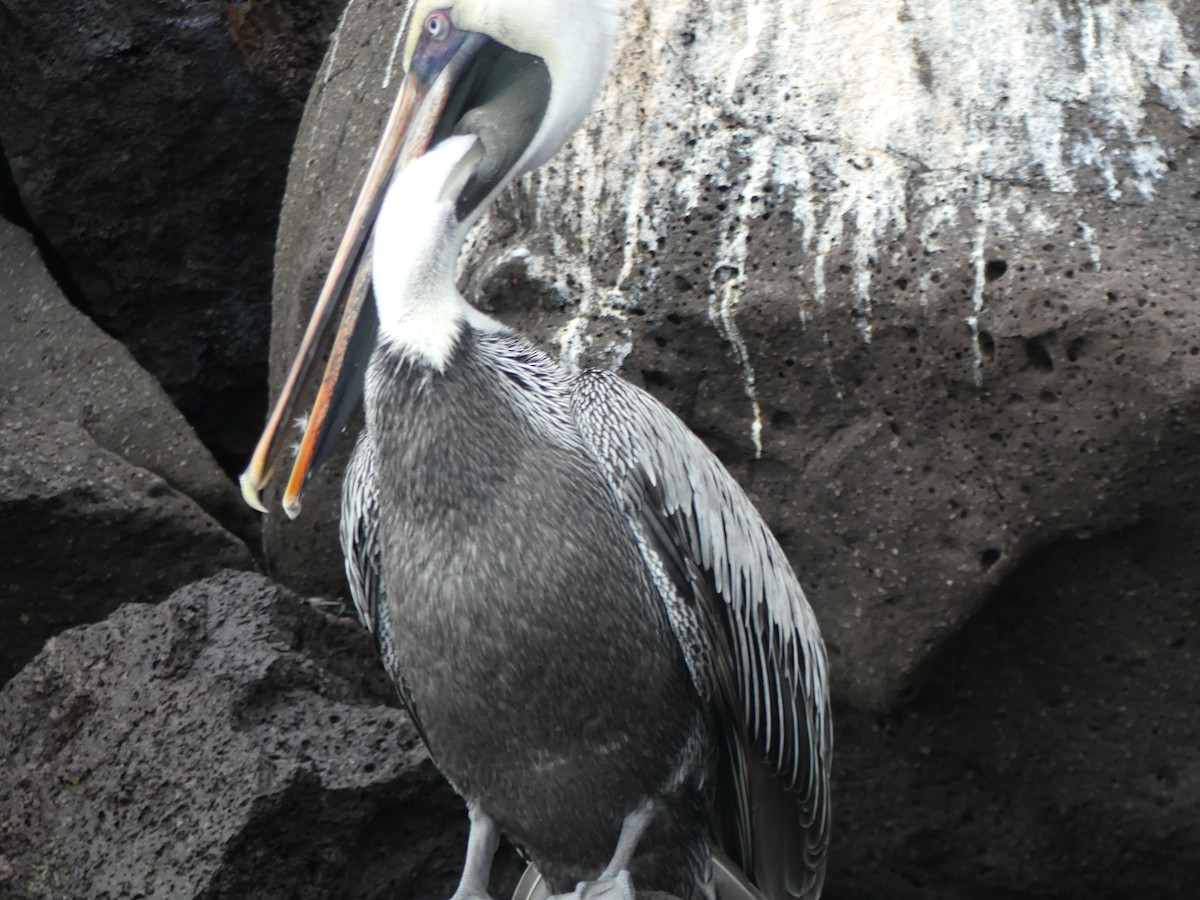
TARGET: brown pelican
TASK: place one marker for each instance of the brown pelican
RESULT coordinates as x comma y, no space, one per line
602,644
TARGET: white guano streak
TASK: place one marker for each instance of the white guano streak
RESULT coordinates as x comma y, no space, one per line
330,61
874,118
728,278
728,275
594,304
391,63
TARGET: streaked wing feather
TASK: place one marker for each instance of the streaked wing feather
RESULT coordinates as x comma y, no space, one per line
358,530
766,649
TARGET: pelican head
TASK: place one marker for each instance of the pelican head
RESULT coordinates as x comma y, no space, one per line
518,76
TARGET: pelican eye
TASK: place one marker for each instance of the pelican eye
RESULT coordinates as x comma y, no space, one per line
437,25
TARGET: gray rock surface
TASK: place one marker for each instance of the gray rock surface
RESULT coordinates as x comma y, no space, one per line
10,200
1055,751
229,742
55,359
84,531
148,142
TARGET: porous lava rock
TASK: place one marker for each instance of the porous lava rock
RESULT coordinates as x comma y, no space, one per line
1055,748
231,741
930,332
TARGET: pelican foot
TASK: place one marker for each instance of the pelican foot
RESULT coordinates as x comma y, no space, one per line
607,887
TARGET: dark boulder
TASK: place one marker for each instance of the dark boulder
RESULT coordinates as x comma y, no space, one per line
229,742
84,531
1054,749
930,330
349,99
148,143
57,360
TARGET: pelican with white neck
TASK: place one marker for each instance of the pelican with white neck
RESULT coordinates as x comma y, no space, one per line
417,241
601,643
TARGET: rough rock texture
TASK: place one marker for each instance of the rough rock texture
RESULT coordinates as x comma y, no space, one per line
54,358
148,141
229,742
928,281
83,531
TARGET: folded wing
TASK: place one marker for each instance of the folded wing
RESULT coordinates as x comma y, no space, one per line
747,631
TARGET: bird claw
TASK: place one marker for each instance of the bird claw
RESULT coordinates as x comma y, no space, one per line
606,887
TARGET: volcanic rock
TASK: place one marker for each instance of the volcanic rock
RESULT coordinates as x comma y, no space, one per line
930,295
1055,748
231,741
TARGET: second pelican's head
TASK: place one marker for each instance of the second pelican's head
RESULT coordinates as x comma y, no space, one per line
518,76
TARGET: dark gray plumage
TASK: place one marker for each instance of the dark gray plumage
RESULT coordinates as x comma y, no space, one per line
584,611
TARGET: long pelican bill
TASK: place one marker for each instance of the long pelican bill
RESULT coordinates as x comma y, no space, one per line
411,126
